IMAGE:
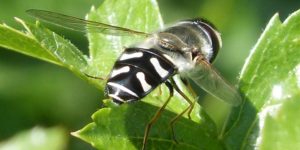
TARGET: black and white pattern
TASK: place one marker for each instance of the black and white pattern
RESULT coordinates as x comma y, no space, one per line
136,73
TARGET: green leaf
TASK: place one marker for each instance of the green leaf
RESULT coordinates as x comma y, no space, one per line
123,127
270,83
23,43
44,44
37,139
60,48
278,126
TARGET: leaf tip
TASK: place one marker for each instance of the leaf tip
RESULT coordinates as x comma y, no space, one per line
274,21
19,20
75,133
93,8
275,18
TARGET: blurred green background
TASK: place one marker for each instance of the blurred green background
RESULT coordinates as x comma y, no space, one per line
36,93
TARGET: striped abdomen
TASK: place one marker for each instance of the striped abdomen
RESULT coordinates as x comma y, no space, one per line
136,73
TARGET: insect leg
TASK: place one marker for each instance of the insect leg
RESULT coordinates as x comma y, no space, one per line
189,87
157,114
160,90
193,93
191,106
188,109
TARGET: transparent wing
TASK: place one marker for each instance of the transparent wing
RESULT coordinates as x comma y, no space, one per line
205,76
80,24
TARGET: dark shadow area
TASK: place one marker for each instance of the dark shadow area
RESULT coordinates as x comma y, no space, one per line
242,119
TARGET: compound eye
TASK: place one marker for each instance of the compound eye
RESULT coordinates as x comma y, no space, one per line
214,35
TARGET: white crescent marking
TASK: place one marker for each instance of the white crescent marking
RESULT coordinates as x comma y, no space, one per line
145,85
126,56
123,88
161,71
116,97
120,71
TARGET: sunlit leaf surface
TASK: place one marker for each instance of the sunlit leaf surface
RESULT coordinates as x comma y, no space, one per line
270,83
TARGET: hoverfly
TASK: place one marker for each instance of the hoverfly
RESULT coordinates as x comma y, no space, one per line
186,48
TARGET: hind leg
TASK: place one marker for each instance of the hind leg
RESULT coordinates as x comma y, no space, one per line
157,115
189,109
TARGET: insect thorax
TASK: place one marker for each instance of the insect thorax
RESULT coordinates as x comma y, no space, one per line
184,41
